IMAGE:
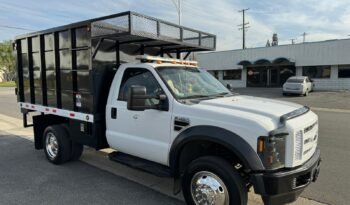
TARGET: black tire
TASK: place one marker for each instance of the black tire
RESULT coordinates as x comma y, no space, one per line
237,190
306,92
77,150
64,144
284,94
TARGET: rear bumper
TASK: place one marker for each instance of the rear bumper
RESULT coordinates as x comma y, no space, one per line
293,91
285,186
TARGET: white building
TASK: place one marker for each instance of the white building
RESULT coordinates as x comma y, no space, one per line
326,62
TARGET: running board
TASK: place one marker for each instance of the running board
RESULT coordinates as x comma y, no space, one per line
141,164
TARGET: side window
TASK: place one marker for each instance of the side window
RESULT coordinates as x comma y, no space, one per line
141,77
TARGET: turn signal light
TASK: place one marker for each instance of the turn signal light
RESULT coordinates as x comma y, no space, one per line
260,145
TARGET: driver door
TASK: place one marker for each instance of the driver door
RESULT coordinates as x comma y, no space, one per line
144,134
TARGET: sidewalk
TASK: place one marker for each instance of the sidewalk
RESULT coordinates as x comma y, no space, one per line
100,160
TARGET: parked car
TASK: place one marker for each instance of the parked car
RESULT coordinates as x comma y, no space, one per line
301,85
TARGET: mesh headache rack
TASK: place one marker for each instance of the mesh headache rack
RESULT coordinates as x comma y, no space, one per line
151,32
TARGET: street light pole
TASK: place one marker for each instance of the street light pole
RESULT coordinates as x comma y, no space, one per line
178,9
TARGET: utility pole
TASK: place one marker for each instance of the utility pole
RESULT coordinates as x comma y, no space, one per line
178,9
243,26
304,36
293,39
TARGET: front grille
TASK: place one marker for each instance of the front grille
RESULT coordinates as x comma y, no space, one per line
298,145
309,128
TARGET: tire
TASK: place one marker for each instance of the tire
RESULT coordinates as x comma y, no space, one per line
211,169
59,150
284,94
77,150
306,92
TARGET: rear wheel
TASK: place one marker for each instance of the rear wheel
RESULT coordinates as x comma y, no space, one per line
212,180
57,144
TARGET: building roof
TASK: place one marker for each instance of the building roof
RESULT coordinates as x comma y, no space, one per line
332,52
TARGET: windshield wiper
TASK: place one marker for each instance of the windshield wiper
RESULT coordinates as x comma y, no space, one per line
223,94
197,96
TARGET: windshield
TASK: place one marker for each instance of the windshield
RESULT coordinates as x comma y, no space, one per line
295,80
191,82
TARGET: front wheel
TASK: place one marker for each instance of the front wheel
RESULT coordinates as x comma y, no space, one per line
212,180
306,92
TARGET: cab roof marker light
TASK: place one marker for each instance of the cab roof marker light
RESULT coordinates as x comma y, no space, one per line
165,60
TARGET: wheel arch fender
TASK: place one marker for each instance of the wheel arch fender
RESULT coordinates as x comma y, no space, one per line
217,135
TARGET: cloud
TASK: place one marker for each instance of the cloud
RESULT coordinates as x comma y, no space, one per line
321,19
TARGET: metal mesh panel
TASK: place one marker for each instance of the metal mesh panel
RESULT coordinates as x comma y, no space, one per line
191,37
169,32
208,41
110,26
144,26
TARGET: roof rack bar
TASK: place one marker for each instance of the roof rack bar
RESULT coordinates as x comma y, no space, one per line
187,54
97,47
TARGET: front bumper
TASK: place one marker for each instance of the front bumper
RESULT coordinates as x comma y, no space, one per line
286,185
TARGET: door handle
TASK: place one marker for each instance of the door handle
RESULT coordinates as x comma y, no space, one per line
114,113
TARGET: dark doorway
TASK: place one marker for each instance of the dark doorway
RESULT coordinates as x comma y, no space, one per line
257,77
269,76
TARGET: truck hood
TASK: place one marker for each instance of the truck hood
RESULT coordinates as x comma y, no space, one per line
253,105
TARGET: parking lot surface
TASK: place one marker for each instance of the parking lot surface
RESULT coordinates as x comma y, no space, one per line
27,178
319,99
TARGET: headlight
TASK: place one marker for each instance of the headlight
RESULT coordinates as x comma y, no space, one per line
271,150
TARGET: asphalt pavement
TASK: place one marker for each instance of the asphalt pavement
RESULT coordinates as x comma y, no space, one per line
319,99
8,102
27,178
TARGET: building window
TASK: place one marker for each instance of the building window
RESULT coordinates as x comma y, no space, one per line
215,73
317,71
344,71
232,74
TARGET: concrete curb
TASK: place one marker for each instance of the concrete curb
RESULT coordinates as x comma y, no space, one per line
99,159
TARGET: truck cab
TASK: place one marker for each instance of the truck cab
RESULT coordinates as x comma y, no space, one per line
176,113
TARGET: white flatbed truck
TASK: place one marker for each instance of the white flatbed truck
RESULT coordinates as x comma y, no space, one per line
165,116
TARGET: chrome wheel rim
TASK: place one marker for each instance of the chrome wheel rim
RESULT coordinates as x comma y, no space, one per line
208,189
51,145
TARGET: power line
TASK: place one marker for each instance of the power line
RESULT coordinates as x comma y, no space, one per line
243,26
17,28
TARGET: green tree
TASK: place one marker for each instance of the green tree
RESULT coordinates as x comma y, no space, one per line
7,61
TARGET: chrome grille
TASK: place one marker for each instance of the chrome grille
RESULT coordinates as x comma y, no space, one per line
298,154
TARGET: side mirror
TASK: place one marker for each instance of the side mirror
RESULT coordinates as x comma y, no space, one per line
137,98
229,86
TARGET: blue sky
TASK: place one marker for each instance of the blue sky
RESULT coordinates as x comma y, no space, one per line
321,19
